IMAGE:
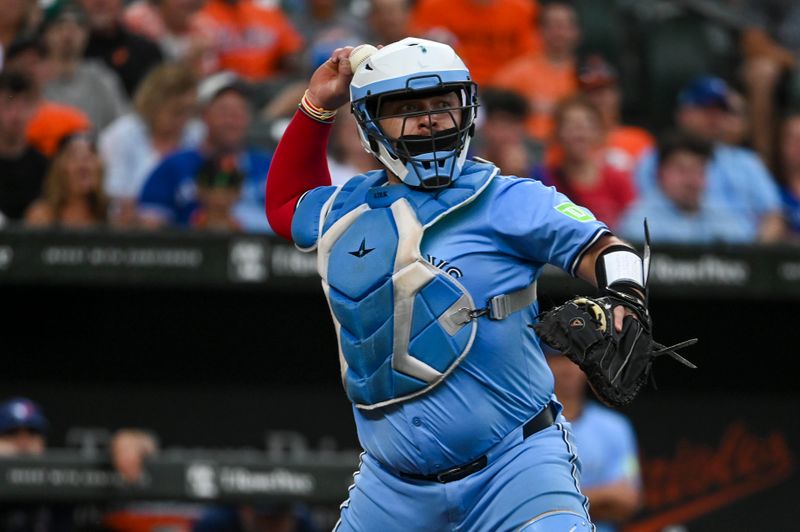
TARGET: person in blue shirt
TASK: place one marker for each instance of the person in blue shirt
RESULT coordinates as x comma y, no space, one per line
606,443
678,211
430,267
736,175
169,196
789,164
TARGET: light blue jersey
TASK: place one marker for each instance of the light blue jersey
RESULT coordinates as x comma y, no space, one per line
495,243
607,446
736,178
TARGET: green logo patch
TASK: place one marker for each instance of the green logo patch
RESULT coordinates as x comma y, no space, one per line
573,211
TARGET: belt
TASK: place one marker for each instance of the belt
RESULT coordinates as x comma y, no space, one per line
540,421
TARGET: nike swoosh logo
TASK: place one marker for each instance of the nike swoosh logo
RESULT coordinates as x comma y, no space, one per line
362,249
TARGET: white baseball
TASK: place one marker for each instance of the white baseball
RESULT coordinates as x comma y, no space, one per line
359,54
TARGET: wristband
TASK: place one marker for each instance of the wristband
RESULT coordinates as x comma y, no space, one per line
317,113
620,269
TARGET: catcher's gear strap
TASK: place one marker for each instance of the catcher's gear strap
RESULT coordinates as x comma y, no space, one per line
620,268
498,308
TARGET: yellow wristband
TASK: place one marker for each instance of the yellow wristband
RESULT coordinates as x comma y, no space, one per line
315,112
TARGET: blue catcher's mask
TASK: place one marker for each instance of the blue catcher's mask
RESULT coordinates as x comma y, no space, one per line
434,131
427,143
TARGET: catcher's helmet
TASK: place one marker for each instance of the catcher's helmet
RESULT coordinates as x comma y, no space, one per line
415,68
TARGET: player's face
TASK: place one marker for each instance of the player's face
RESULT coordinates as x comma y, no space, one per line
683,179
429,115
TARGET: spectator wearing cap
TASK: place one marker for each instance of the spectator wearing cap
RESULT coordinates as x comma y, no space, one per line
169,195
736,176
678,210
73,191
219,186
23,431
548,76
70,79
22,167
501,136
163,121
22,427
599,81
126,53
52,121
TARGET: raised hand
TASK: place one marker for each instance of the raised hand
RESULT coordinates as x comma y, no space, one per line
329,87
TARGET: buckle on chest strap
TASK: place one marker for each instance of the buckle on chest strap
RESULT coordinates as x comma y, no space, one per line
498,307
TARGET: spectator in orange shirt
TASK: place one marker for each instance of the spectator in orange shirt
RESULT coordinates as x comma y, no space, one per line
548,76
625,144
51,121
485,33
585,174
254,41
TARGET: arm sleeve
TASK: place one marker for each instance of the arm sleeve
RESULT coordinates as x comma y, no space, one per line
541,225
299,165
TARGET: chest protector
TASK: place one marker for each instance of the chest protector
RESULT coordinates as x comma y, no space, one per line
402,324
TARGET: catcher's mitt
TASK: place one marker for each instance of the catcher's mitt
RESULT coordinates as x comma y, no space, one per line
616,364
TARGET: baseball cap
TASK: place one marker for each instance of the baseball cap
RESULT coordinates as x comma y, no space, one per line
219,173
62,10
19,413
216,84
705,91
595,72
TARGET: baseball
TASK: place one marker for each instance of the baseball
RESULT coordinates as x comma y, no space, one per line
360,54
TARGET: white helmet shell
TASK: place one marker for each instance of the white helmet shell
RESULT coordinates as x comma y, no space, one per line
412,66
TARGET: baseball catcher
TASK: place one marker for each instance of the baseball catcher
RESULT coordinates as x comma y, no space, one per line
617,358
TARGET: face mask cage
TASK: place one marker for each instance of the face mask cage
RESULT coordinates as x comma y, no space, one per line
431,158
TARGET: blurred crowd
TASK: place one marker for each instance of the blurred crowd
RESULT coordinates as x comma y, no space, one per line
24,430
148,114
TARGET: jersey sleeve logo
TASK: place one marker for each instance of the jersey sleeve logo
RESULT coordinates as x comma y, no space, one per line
579,214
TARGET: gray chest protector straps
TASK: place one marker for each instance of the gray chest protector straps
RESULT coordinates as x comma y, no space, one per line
498,307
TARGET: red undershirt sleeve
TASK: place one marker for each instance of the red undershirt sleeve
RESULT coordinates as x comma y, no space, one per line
299,165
